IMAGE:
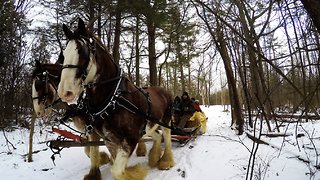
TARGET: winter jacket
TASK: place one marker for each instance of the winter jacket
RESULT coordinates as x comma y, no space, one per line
187,106
197,107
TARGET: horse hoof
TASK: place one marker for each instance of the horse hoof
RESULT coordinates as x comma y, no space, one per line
94,174
165,165
91,177
141,153
141,149
104,158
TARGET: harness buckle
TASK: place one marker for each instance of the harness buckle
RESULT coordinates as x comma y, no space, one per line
89,85
113,105
118,92
104,114
89,129
80,105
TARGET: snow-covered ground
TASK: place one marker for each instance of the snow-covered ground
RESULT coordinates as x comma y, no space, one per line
219,154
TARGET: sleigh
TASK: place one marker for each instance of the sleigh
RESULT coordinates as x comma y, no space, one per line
185,135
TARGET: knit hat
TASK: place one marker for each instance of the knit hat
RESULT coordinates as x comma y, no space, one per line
185,93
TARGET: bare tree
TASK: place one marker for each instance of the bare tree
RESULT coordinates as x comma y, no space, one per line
219,38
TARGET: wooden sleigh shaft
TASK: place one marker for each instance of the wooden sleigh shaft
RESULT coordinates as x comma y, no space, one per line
77,141
71,143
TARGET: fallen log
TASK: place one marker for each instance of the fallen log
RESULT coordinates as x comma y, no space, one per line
282,117
296,156
257,140
276,135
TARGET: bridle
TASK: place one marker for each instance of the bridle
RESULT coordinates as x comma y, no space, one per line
44,77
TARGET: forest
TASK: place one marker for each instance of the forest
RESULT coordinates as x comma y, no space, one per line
261,57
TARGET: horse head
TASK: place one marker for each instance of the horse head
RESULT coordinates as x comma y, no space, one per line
79,65
45,78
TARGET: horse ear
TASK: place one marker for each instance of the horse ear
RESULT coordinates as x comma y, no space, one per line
67,32
60,59
82,28
38,64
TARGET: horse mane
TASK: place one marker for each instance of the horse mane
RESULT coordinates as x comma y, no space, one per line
97,39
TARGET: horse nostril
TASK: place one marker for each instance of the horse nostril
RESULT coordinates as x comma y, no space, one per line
68,94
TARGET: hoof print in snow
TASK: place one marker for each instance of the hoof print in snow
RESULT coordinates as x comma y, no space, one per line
46,169
300,135
181,173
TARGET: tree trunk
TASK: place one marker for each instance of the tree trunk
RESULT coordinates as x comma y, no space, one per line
180,64
236,113
152,51
33,120
312,7
116,45
258,88
137,51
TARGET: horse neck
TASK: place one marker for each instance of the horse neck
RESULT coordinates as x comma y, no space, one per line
106,70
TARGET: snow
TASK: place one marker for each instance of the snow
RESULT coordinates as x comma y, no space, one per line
217,155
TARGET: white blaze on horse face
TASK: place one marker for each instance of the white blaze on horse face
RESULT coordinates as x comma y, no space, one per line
69,87
38,108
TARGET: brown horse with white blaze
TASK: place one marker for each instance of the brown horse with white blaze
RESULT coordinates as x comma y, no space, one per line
45,78
118,108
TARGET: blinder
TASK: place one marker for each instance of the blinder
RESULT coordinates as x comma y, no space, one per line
43,77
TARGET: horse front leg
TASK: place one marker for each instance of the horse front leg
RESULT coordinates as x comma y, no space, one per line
166,161
141,148
96,159
120,171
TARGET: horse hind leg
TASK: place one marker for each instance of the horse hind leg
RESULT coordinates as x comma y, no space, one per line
166,161
155,151
120,171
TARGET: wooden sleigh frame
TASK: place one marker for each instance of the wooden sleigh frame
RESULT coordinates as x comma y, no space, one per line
68,139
